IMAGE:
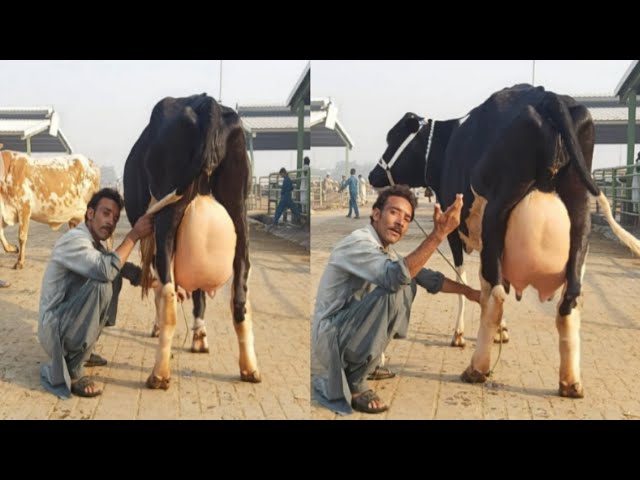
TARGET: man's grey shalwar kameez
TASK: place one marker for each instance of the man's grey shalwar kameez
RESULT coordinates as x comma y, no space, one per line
364,300
79,297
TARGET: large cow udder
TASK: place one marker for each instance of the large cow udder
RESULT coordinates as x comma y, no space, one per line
536,246
205,246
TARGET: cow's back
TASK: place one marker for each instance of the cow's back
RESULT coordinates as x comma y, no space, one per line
55,190
62,187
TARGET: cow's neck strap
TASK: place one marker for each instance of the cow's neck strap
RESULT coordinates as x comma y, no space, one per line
387,166
426,155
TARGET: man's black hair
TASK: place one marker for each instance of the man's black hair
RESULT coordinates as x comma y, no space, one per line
396,191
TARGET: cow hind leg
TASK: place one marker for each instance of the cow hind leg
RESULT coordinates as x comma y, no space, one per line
8,248
155,331
491,304
569,332
455,243
458,333
161,374
23,233
199,342
502,335
244,331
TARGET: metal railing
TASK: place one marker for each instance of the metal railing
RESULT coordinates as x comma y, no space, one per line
621,186
271,186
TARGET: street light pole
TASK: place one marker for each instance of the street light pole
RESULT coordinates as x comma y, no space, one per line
220,92
533,74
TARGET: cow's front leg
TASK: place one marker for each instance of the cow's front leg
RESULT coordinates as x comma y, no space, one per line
23,232
166,298
199,343
9,248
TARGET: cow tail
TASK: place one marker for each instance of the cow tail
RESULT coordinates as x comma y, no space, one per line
559,115
148,244
147,251
625,237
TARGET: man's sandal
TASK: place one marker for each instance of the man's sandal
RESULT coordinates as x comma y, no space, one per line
362,401
81,388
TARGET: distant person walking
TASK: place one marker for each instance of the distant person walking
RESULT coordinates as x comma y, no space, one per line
352,183
285,199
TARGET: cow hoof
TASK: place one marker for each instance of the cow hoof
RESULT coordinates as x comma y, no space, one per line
458,340
155,332
200,349
253,377
18,266
156,383
199,343
571,391
505,336
470,375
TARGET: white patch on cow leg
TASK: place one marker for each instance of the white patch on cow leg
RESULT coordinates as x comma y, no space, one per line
6,245
199,343
491,304
155,331
458,334
569,333
23,234
502,335
244,331
161,374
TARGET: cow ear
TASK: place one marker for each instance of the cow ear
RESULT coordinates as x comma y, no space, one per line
412,124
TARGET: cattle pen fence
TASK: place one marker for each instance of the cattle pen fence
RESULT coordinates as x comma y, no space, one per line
621,186
265,193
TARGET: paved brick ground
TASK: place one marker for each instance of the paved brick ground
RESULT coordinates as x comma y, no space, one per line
203,386
526,379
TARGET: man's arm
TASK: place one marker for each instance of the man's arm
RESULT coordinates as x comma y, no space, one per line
142,228
450,286
444,224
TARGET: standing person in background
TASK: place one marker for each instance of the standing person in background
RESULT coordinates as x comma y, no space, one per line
635,185
304,185
285,199
352,183
362,190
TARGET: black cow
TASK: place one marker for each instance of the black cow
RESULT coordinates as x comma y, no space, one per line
191,147
523,143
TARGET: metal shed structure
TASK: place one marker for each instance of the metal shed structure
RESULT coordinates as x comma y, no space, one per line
326,128
282,126
610,118
32,130
627,92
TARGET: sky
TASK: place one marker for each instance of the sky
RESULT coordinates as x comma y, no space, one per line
373,95
104,105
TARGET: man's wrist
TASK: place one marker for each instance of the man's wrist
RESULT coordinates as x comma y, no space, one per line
439,237
133,237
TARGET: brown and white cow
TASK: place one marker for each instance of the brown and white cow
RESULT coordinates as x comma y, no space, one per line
52,191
